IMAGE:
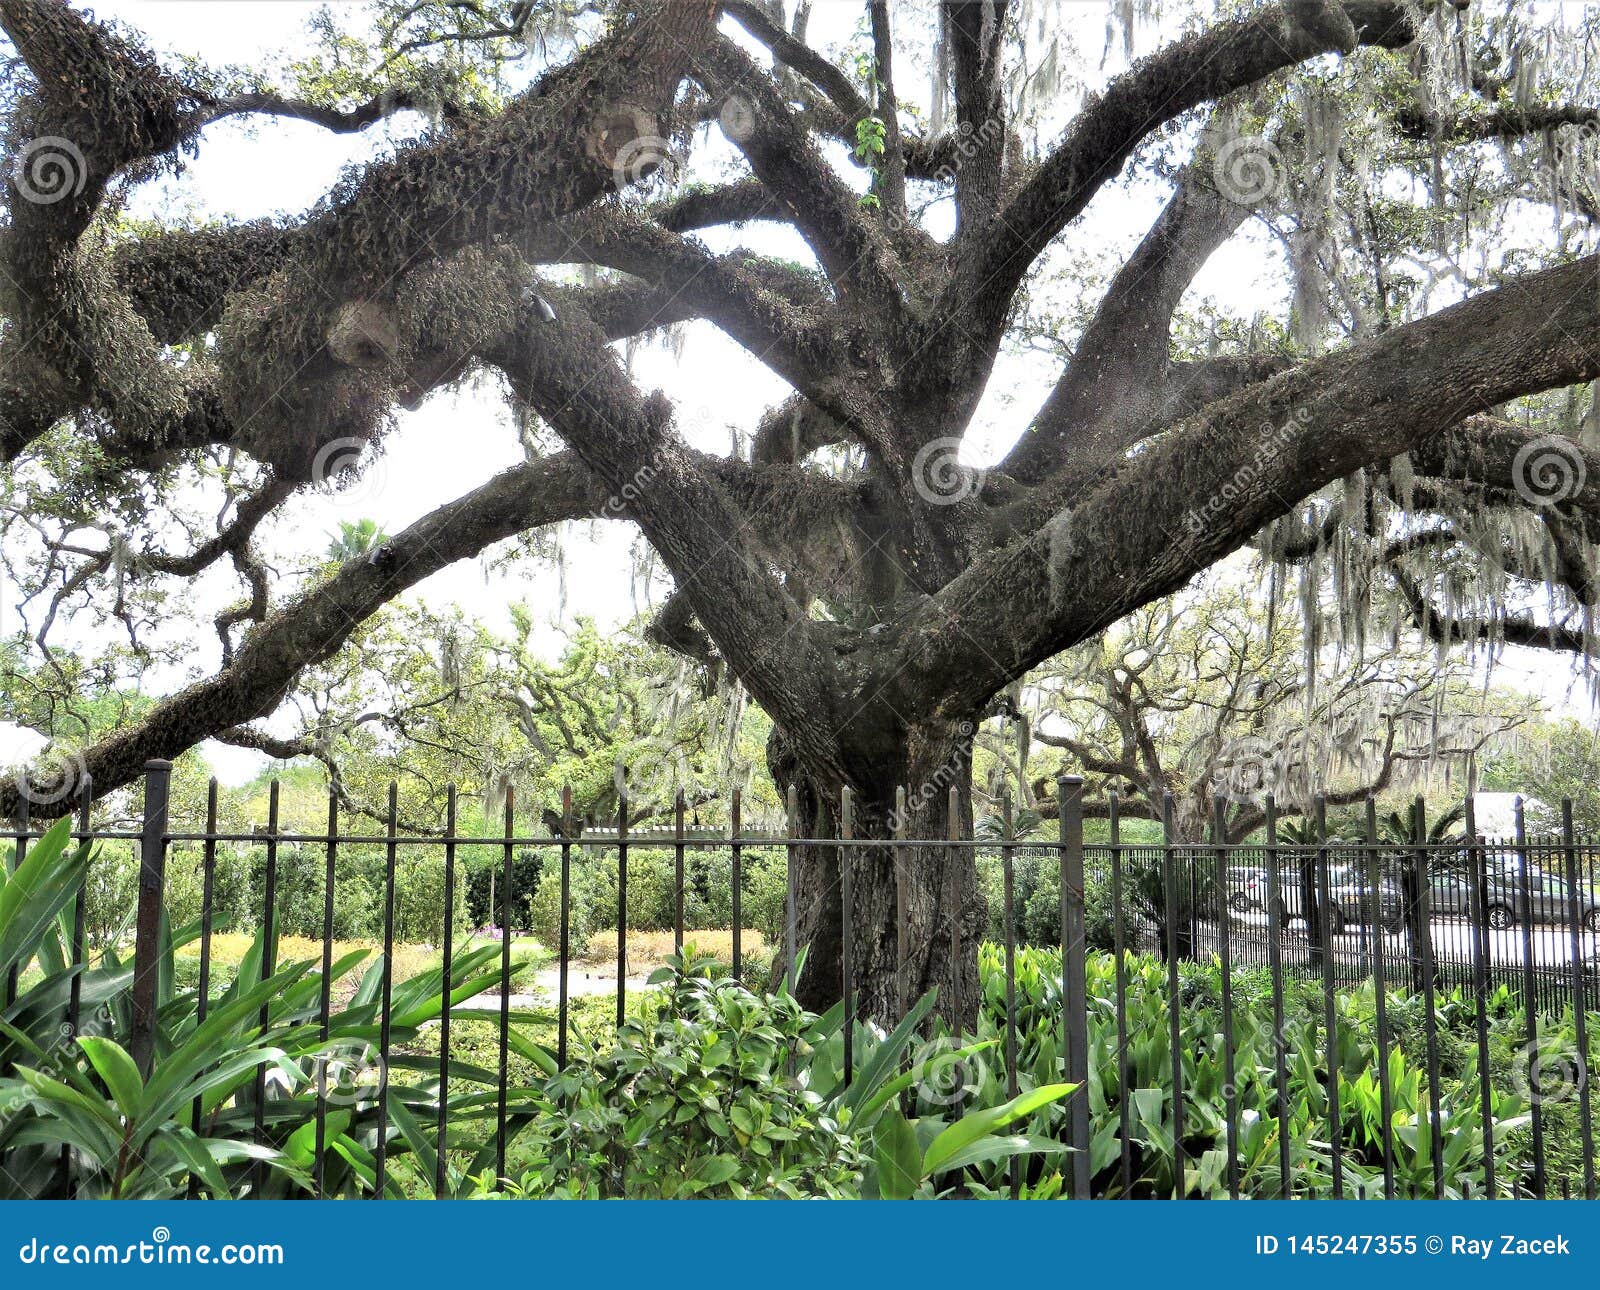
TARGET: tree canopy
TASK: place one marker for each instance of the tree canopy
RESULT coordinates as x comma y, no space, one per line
1409,431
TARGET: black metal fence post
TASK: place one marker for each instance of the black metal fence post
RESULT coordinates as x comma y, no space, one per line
1530,1003
19,852
1174,995
956,874
1411,891
622,899
1230,1082
147,929
677,872
1482,949
902,927
565,939
1580,1003
1280,1053
1430,1024
1074,972
736,881
847,832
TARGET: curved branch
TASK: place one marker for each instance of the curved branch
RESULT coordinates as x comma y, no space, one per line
1199,69
313,625
1114,388
1140,535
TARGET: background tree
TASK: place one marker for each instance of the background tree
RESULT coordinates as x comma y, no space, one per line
1407,424
1551,760
1209,695
425,699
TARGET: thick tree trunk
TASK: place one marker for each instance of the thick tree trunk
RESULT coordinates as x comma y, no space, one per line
915,914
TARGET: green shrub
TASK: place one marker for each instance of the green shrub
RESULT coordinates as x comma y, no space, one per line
693,1099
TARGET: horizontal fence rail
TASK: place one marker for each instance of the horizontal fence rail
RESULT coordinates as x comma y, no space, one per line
1454,944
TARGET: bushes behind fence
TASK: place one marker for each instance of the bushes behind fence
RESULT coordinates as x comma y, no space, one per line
238,883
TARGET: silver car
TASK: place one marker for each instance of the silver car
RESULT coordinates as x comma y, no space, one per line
1549,898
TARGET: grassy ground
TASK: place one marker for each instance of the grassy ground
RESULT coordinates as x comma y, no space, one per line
229,948
646,951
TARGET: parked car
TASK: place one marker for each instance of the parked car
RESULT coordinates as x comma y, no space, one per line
1548,897
1247,888
1351,898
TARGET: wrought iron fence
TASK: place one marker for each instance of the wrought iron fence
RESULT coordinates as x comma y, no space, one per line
1483,923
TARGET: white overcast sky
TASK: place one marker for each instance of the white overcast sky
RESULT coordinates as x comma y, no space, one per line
458,440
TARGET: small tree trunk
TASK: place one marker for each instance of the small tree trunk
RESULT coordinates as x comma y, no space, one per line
916,915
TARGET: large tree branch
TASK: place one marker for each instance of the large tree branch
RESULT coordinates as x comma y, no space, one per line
313,625
850,246
1115,385
975,31
565,372
1140,534
1199,69
1509,628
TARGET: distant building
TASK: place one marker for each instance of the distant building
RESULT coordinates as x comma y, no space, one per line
1496,814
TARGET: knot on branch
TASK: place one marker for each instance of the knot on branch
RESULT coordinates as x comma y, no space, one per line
364,335
627,140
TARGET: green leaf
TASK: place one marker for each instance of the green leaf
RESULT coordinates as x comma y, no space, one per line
899,1159
978,1124
112,1063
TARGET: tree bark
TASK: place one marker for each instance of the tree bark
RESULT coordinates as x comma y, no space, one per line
915,913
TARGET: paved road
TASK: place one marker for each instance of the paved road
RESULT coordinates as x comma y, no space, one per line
1551,946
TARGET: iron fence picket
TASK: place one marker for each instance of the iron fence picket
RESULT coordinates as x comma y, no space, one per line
1580,1001
503,1069
1530,1004
1478,877
386,1000
1280,1049
1120,986
1174,1018
1380,996
325,997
